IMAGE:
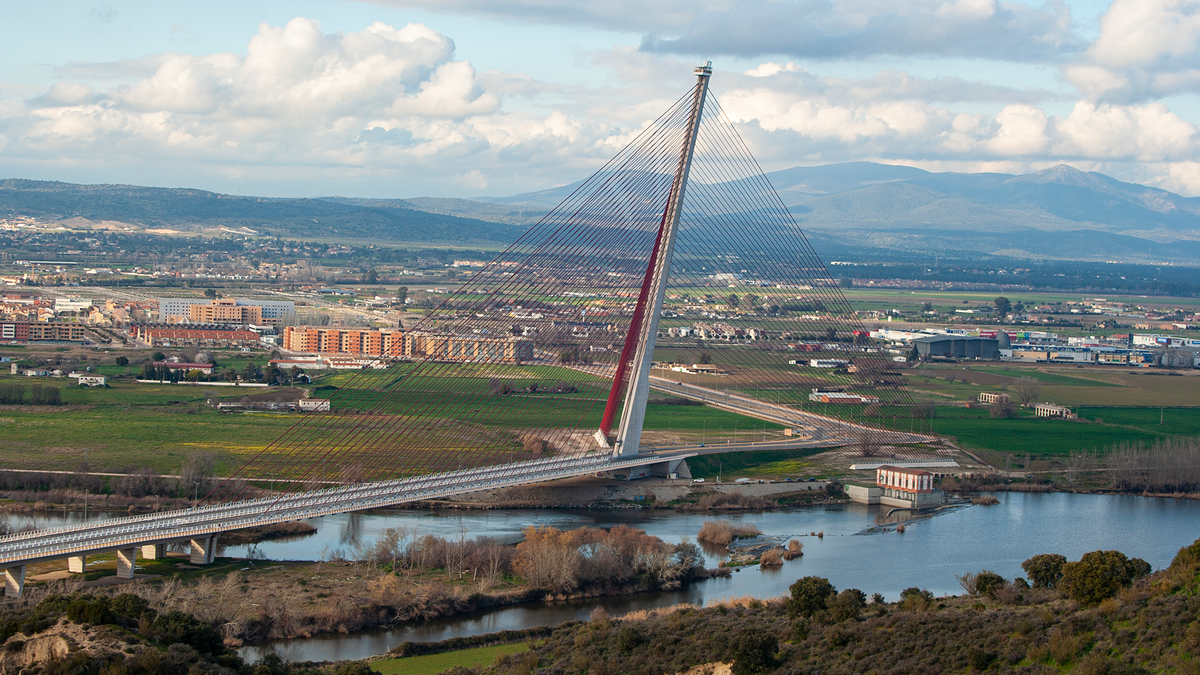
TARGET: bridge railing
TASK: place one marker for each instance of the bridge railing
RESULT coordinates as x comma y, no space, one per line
186,523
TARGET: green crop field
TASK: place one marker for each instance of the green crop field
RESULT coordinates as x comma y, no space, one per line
1044,377
432,664
754,463
974,428
129,425
1174,421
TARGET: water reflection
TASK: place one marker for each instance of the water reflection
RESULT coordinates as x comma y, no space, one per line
928,554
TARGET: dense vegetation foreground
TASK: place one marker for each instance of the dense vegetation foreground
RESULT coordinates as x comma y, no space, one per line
1103,614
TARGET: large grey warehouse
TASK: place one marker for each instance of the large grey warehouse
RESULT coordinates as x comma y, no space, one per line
958,347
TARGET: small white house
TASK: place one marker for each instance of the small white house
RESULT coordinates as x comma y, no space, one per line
314,405
90,380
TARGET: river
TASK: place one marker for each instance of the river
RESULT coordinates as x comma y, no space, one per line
928,554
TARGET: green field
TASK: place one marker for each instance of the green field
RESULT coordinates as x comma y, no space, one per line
129,425
1174,421
432,664
756,462
1044,377
974,428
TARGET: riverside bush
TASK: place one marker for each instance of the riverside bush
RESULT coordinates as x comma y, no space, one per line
1045,570
1100,574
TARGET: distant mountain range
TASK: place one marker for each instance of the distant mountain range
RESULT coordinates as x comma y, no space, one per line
860,208
187,210
1060,212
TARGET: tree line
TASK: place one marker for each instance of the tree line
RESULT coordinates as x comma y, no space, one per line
18,394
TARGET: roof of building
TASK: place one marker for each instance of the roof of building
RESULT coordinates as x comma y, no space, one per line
901,470
181,364
943,338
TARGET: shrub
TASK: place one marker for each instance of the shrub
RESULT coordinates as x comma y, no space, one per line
176,626
129,607
89,609
794,550
754,652
1100,574
734,500
848,604
772,558
915,599
354,668
809,596
1045,570
1188,556
629,639
723,532
988,582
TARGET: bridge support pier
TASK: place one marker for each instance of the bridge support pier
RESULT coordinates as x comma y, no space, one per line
154,551
126,558
14,581
77,564
203,550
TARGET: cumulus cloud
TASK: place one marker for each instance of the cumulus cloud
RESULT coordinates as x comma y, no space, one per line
393,105
1147,49
297,92
829,123
829,29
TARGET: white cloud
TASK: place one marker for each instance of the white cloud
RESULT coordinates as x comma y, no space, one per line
830,29
1182,177
298,95
1149,133
1142,32
1147,49
1022,131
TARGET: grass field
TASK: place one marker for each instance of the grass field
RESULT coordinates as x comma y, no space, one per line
757,462
974,428
1067,385
130,425
1044,377
432,664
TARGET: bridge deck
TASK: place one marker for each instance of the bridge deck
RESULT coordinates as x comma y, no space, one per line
204,521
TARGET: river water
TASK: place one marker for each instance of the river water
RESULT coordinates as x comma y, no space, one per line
928,554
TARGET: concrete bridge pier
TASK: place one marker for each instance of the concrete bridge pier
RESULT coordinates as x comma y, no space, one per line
203,551
14,581
126,559
77,564
154,551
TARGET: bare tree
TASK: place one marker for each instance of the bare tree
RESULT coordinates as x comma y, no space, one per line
925,409
1028,390
1079,464
868,446
198,470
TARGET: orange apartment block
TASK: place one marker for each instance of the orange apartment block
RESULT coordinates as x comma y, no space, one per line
371,342
225,311
395,343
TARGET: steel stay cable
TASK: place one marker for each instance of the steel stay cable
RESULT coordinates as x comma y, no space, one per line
502,320
702,196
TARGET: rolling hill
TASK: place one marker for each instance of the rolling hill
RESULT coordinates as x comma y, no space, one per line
859,208
187,210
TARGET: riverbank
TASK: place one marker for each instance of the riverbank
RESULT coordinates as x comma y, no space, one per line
400,577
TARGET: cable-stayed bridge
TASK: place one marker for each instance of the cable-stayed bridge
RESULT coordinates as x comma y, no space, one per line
675,269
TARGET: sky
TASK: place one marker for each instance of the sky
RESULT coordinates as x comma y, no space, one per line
463,98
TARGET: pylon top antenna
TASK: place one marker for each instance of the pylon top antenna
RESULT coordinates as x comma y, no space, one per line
704,70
